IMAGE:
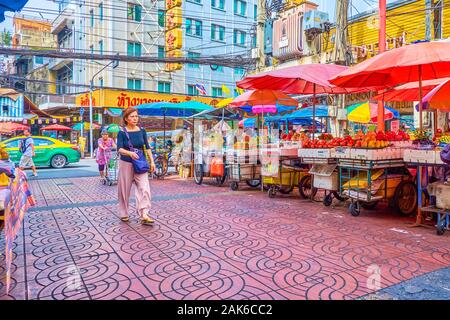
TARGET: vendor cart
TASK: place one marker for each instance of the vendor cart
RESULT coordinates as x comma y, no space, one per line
367,182
243,168
324,173
437,194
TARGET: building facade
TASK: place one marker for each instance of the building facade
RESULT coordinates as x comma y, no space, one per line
138,28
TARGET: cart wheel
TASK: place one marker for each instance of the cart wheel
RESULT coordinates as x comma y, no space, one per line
328,200
405,198
221,180
234,186
266,187
286,190
104,182
272,193
110,183
440,228
304,187
369,205
338,196
253,183
198,173
354,209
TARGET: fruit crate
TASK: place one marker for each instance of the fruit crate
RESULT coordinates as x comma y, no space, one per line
422,156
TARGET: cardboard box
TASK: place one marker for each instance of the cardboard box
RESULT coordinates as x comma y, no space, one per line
442,193
326,182
289,151
343,153
420,156
317,153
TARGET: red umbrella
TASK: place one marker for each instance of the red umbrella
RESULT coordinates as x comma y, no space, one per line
416,62
438,98
263,97
409,91
302,79
56,127
12,126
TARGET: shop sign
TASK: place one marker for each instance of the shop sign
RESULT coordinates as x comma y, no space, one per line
85,101
174,66
123,98
174,39
173,3
370,50
174,18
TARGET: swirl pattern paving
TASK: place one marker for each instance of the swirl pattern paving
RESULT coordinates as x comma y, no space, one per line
207,243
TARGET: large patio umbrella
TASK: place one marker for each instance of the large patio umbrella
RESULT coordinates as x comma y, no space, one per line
415,62
409,91
439,97
56,127
10,5
302,79
8,127
367,112
264,101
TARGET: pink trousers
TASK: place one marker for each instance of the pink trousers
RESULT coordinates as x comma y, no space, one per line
142,192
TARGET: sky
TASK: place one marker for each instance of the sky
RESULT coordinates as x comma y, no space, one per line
324,5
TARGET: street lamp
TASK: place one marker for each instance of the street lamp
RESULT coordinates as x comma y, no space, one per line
114,64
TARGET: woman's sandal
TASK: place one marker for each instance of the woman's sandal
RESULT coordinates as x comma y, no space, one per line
147,221
125,219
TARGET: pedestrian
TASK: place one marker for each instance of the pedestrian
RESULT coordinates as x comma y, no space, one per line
105,143
26,147
131,135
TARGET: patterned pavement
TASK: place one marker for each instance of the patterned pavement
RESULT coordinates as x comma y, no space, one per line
209,243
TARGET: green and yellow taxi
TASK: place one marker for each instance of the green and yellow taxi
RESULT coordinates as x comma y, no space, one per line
48,151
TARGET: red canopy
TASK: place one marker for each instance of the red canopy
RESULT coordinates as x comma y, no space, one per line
263,97
302,79
56,127
409,91
415,62
439,97
12,126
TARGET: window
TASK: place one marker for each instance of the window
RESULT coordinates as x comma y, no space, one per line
240,7
161,17
217,92
100,11
42,142
163,87
161,52
217,32
192,91
134,84
100,46
255,12
39,60
193,55
5,109
218,4
134,49
92,17
134,12
13,144
217,68
194,27
239,71
254,41
239,37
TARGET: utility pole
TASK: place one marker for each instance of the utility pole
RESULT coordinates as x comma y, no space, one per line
340,50
261,58
341,43
382,48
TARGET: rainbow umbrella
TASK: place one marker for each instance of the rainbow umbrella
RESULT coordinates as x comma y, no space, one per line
367,112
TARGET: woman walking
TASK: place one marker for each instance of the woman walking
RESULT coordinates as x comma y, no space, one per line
133,136
105,143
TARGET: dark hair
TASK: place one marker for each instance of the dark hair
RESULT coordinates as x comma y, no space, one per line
125,113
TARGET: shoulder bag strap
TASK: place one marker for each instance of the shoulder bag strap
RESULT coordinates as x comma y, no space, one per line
130,145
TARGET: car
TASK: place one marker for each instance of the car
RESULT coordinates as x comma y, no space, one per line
49,151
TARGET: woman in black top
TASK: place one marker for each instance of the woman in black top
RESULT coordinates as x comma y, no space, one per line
138,138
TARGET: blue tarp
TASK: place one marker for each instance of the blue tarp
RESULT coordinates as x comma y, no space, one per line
10,5
177,110
321,112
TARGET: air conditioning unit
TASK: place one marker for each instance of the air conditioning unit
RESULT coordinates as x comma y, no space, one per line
315,20
255,53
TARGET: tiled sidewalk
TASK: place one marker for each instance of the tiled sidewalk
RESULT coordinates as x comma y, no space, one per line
209,243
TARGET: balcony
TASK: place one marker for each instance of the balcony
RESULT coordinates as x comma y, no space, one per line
65,18
56,102
58,63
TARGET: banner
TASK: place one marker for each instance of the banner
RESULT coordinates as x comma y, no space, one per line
17,204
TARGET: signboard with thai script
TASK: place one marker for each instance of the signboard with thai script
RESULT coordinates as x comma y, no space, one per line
174,33
174,18
126,98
